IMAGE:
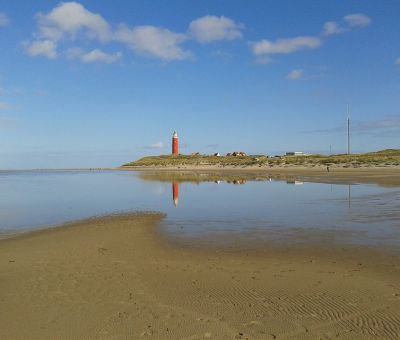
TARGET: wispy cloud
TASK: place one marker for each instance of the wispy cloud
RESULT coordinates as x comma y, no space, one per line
379,127
5,106
332,27
158,145
153,41
357,20
93,56
348,23
295,75
264,49
4,20
312,72
211,28
397,62
285,46
45,48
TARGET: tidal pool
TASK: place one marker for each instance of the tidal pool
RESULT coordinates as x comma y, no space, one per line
204,205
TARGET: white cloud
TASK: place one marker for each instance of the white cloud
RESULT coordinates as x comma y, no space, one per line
4,20
265,48
357,20
212,28
153,41
295,75
95,55
68,19
285,46
158,145
350,21
332,27
71,22
45,48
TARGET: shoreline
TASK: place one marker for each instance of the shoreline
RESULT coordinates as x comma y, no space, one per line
337,175
117,276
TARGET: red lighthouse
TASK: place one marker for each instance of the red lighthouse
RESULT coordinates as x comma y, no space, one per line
175,144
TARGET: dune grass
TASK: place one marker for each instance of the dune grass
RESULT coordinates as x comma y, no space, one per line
387,157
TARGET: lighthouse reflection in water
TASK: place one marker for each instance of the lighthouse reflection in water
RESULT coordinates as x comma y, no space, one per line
206,204
175,193
175,188
260,207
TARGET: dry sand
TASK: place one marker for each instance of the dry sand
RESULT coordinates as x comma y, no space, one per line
120,277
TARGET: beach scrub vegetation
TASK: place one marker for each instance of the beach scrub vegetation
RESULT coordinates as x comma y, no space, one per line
389,157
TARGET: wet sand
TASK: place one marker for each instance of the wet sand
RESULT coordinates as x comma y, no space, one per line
120,277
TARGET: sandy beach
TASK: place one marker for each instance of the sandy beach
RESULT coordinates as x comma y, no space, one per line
199,170
121,277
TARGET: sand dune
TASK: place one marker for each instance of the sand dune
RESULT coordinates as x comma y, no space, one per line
119,277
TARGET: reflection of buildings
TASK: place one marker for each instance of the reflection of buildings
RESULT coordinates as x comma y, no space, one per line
175,193
237,181
175,188
295,182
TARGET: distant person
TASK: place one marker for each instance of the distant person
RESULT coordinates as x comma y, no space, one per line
327,168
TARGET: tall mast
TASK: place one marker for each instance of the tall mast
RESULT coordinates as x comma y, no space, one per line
348,130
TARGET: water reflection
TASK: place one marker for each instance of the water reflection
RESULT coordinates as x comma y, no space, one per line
349,196
225,203
295,209
181,177
175,193
176,178
274,207
200,177
295,182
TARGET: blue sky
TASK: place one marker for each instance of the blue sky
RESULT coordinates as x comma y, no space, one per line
100,83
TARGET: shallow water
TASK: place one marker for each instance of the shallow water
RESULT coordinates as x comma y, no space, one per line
206,206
